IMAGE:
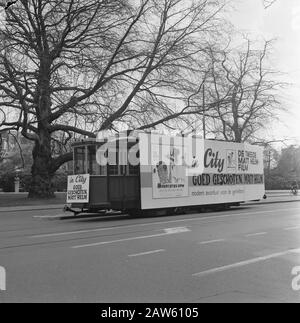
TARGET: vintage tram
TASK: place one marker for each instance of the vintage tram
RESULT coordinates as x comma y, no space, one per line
138,172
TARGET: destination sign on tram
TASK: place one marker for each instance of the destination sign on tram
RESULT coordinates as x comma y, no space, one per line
78,188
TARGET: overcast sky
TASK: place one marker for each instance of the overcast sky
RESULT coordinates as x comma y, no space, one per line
280,21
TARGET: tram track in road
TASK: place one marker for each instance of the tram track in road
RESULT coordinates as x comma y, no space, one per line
38,224
108,242
136,256
54,237
53,242
213,216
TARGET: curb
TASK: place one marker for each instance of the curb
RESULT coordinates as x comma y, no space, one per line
269,202
82,216
116,214
31,208
61,206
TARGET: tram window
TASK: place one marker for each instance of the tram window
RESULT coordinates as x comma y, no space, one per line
79,163
133,170
114,168
123,170
93,167
103,170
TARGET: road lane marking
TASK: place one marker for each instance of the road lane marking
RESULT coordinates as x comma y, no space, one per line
245,262
146,253
292,228
211,241
177,230
212,217
64,215
119,240
57,216
122,240
255,234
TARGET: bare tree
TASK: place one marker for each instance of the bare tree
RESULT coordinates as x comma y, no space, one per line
79,66
247,89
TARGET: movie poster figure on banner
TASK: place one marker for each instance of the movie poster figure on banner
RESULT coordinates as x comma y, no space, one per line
168,172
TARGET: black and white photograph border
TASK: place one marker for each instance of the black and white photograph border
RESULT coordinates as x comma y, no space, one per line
149,154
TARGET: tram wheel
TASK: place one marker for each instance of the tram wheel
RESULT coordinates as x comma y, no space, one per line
135,212
93,210
179,210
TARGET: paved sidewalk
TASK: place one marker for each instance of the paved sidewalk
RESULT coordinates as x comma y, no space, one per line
10,202
32,207
276,199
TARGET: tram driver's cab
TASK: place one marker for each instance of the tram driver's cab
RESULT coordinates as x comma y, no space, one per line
114,182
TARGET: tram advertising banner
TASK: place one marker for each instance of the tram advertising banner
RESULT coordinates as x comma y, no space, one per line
78,188
168,177
214,172
232,172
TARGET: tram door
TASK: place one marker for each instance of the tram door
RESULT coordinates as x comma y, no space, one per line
123,182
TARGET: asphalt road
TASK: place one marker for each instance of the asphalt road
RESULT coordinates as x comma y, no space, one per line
245,254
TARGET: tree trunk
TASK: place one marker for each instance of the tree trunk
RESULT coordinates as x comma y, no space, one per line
41,171
237,135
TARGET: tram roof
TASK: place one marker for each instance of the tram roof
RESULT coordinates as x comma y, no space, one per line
126,135
112,137
84,142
